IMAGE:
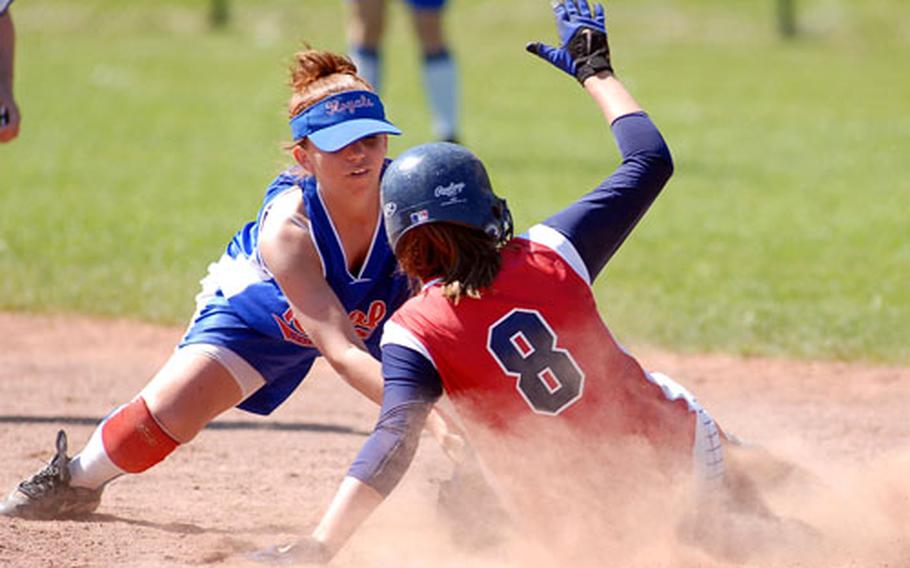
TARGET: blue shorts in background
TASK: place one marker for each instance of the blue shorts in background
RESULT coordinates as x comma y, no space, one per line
422,4
426,4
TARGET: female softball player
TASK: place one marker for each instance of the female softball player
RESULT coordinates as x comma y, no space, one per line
312,275
508,327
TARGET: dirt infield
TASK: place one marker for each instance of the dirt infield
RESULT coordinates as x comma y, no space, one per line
247,481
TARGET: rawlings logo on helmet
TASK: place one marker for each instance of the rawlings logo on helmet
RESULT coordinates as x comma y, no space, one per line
450,190
449,193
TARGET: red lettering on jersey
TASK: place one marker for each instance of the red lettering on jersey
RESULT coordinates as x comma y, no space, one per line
291,330
359,319
377,312
364,323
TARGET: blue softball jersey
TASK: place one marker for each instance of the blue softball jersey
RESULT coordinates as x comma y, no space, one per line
243,309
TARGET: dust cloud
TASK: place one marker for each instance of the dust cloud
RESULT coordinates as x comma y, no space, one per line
782,505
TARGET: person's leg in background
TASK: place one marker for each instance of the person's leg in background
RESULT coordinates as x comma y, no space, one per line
440,74
366,24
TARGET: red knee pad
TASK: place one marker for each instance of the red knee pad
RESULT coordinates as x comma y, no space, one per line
133,440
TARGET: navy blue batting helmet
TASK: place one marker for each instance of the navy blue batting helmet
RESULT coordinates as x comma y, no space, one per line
441,182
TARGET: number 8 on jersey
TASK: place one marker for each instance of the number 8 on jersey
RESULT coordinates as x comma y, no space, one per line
524,345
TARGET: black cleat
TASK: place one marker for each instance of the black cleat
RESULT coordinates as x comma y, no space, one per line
48,494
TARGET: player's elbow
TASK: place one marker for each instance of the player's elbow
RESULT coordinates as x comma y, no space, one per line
662,164
388,453
652,167
651,170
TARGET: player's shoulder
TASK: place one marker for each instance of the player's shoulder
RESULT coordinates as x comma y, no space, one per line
423,308
542,239
407,325
293,176
283,224
428,295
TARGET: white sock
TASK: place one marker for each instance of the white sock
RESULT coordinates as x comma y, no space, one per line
92,468
440,79
369,65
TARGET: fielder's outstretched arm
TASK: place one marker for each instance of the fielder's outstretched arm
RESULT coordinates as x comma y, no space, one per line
286,247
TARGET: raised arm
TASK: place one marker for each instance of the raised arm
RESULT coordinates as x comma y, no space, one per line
599,222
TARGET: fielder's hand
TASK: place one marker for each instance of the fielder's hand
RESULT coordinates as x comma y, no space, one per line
307,550
584,50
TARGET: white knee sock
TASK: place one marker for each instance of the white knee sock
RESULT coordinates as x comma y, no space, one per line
92,467
440,78
369,65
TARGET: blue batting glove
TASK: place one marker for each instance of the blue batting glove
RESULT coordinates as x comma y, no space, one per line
583,50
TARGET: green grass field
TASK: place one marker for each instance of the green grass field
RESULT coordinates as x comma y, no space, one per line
148,138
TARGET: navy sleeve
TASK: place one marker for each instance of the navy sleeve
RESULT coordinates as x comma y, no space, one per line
411,387
599,222
4,6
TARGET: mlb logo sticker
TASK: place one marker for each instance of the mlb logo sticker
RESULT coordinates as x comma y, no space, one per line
420,216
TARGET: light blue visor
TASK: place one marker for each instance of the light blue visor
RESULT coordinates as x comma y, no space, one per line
336,121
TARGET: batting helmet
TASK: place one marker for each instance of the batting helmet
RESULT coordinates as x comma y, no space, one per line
441,182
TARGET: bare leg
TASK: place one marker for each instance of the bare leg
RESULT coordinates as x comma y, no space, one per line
366,22
188,392
429,30
185,395
366,25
